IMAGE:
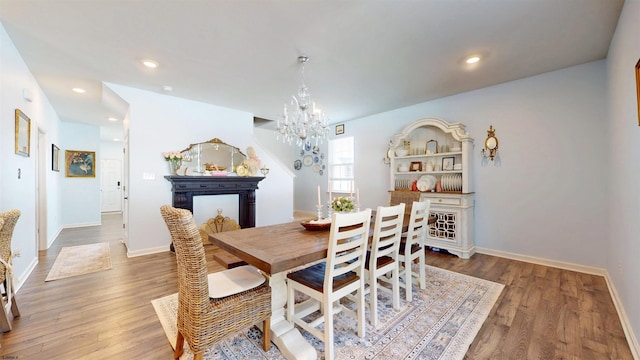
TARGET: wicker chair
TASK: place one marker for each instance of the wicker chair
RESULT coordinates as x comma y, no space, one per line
204,319
8,221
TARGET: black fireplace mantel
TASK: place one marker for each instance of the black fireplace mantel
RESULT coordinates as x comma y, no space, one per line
184,188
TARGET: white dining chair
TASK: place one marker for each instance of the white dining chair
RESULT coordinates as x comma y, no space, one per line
327,282
412,247
382,259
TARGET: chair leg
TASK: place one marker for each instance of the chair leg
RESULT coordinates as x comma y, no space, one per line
266,334
373,298
5,318
328,330
408,280
198,356
423,271
179,346
361,306
395,287
14,307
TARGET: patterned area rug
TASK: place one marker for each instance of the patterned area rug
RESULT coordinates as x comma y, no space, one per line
80,260
440,323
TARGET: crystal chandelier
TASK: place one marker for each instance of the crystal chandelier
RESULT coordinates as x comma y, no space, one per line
301,121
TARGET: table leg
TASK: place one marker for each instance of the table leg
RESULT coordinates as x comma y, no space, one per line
286,337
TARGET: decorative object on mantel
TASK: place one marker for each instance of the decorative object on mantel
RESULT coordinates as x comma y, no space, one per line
490,144
305,122
175,160
253,163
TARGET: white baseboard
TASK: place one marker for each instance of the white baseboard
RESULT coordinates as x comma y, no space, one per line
71,226
624,320
53,238
541,261
148,251
20,280
626,326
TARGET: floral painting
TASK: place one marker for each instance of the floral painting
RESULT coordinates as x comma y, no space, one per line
80,163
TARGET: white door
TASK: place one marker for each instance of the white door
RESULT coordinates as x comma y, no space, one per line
111,188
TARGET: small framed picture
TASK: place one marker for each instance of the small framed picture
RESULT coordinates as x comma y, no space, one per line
447,163
340,129
55,158
416,166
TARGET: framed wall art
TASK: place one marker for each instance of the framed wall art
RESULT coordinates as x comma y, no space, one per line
340,129
80,163
415,166
23,134
55,158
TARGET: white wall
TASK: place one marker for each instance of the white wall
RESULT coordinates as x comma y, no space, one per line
80,195
111,150
623,245
546,191
161,123
20,193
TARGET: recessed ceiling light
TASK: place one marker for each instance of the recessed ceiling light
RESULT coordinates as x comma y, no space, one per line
116,139
79,90
473,59
167,88
150,64
113,119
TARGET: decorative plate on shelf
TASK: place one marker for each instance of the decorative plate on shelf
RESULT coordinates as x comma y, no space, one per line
313,225
297,164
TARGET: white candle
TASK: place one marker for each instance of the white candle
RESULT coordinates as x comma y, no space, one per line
329,186
358,195
319,203
350,189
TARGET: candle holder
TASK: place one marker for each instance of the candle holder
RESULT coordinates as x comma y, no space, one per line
319,208
330,209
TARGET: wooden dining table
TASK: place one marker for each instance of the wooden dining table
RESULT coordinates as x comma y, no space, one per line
277,250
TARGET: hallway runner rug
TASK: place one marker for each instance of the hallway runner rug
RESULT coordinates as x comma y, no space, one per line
80,260
440,323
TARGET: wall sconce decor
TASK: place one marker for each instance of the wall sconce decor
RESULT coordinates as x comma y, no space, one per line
490,144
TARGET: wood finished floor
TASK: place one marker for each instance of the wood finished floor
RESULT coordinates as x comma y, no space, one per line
542,313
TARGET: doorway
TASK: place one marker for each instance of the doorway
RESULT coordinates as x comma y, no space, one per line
41,191
111,185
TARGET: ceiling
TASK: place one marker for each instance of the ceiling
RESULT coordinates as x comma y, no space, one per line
366,56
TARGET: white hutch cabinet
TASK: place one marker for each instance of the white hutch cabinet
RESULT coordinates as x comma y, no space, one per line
432,150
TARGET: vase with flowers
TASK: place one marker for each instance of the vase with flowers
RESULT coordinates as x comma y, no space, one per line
175,160
343,204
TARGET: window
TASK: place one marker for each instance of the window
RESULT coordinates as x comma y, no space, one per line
341,165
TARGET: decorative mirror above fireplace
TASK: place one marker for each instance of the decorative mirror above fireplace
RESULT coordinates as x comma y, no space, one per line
212,155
